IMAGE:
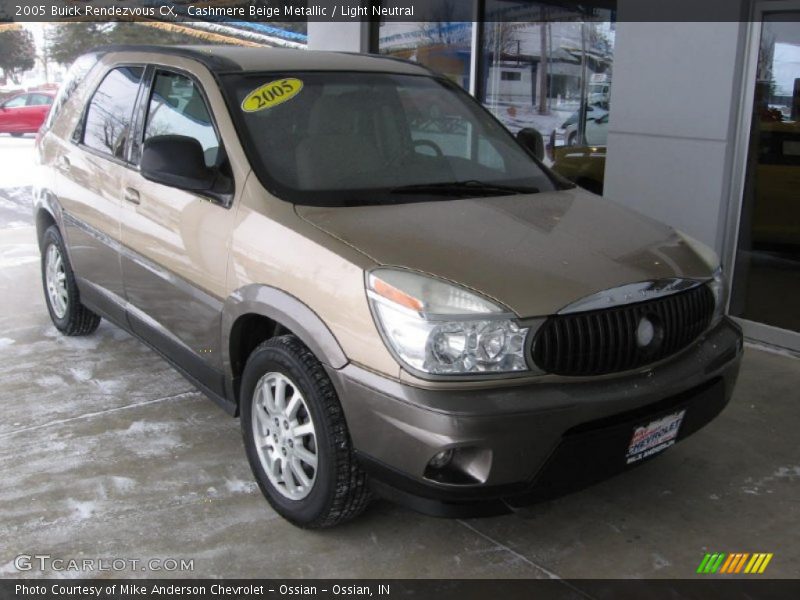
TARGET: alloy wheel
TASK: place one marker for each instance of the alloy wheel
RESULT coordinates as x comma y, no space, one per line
285,436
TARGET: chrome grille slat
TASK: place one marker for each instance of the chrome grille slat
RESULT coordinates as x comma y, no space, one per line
604,341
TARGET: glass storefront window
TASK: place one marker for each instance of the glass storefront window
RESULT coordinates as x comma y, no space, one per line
444,46
766,285
541,68
538,66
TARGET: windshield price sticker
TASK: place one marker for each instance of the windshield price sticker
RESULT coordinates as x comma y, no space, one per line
271,94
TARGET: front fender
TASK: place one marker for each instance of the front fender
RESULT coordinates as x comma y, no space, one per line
288,311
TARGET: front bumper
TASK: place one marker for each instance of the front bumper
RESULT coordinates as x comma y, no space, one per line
520,442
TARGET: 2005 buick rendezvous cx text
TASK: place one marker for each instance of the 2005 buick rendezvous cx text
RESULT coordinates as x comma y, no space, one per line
390,290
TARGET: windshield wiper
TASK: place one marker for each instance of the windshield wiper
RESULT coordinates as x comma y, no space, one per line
465,188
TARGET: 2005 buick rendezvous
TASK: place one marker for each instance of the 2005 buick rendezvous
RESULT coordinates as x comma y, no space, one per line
390,289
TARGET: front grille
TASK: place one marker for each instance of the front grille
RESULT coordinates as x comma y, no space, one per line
605,341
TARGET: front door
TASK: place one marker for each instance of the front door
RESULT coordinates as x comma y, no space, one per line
175,269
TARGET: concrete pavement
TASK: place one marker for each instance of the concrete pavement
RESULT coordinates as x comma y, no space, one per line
107,452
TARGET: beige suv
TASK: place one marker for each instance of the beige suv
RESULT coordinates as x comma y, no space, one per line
389,289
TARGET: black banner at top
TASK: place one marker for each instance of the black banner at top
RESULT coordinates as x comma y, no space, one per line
342,11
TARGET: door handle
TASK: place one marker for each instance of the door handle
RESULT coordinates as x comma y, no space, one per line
131,195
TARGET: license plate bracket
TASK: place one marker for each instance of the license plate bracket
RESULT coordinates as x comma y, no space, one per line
654,437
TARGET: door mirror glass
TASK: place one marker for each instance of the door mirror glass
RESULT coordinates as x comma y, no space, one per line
532,141
177,161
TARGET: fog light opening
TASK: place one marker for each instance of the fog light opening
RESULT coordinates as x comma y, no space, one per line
441,459
464,465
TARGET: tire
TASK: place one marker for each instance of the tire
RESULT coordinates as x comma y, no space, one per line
70,318
17,135
338,490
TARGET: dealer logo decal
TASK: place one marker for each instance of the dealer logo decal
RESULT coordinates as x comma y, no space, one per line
737,562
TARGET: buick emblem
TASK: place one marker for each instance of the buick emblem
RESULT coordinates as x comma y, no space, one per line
645,332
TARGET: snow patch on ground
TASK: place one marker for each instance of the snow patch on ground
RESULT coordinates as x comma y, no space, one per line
147,427
109,386
18,254
50,381
659,562
81,343
756,487
82,510
16,225
147,439
81,374
9,569
238,486
123,484
787,472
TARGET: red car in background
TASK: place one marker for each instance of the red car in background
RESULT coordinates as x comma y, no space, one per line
25,112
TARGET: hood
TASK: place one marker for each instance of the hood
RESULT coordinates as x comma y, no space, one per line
533,253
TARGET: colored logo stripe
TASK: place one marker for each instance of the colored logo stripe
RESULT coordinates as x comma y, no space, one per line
721,562
711,563
758,563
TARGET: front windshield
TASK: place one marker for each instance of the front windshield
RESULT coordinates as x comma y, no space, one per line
351,139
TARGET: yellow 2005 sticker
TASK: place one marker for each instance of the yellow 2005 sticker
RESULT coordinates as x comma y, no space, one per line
271,94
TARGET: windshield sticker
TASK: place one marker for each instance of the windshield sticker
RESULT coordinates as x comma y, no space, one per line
271,94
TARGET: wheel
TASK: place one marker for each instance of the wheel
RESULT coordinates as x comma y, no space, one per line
296,437
17,134
60,290
572,139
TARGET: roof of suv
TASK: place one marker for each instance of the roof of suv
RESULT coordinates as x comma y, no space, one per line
222,59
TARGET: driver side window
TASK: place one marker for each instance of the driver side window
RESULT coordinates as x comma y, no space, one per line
177,107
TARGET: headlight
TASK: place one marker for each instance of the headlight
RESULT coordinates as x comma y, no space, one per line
720,290
439,328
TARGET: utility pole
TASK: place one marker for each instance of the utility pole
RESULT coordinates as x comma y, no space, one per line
543,59
582,113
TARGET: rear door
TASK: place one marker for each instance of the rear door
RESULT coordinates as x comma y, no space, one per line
175,272
90,173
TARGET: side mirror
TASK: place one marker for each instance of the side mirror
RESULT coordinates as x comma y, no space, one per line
532,141
177,161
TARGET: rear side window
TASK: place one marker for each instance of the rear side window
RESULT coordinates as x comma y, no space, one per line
77,73
107,124
177,107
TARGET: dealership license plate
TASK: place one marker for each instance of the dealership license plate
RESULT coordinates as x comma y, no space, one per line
654,437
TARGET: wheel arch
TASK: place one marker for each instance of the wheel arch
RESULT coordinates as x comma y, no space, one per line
255,313
47,212
44,220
